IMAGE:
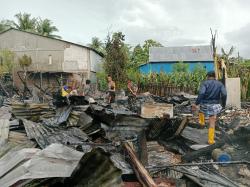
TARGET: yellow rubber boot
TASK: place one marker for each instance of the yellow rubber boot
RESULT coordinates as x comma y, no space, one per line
211,136
201,119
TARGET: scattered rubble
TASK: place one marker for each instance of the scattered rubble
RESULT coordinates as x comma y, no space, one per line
151,141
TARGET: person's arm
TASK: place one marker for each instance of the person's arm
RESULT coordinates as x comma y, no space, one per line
130,89
201,94
223,96
135,89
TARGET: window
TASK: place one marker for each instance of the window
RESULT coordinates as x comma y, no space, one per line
50,59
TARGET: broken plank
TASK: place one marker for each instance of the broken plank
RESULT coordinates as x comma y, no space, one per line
142,174
4,130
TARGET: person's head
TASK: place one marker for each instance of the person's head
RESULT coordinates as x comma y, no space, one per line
88,82
211,75
129,81
109,78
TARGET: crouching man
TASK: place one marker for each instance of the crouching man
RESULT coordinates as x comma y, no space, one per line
212,97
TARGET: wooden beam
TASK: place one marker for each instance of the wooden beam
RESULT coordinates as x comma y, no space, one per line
142,174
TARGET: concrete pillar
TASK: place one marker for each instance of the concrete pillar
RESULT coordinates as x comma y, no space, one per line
233,92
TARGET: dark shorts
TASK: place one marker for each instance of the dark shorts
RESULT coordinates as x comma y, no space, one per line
210,109
112,96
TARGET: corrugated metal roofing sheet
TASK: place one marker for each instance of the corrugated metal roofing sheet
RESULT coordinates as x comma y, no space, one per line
185,53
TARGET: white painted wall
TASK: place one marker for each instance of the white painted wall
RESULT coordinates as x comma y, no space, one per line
76,59
96,62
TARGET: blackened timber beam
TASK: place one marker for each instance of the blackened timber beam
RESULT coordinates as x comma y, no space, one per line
142,174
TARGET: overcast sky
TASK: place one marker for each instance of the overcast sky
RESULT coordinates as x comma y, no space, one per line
171,22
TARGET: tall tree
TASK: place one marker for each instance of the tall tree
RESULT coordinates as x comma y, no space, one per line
4,25
46,28
24,22
96,44
116,58
150,43
140,54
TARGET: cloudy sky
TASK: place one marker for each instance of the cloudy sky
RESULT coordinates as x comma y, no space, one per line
171,22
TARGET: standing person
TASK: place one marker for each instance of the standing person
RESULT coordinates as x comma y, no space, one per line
87,88
111,90
132,88
211,94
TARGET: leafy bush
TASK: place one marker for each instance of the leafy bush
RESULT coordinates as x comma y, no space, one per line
6,61
102,80
180,67
25,61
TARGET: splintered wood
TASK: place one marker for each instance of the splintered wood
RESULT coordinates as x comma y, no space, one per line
140,171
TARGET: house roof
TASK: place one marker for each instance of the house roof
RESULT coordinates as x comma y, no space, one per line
101,54
184,53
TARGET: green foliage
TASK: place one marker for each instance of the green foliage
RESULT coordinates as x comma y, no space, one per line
25,61
150,43
6,61
26,22
4,25
190,81
180,67
120,61
241,70
102,80
45,27
97,44
199,69
140,55
116,58
134,75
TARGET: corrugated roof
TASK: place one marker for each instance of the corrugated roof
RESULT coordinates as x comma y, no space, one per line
185,53
101,54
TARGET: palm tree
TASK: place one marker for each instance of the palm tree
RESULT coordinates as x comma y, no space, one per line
96,44
45,28
4,25
24,22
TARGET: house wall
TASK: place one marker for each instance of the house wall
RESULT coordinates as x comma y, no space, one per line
50,55
38,48
76,59
96,62
158,67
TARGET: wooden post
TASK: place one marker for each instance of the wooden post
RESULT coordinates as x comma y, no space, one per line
142,174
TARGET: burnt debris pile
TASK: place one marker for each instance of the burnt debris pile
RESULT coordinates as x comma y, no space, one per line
137,141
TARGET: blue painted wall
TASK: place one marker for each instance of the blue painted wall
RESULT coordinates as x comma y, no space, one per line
167,67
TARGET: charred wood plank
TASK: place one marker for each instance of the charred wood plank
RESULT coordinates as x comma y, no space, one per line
142,174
